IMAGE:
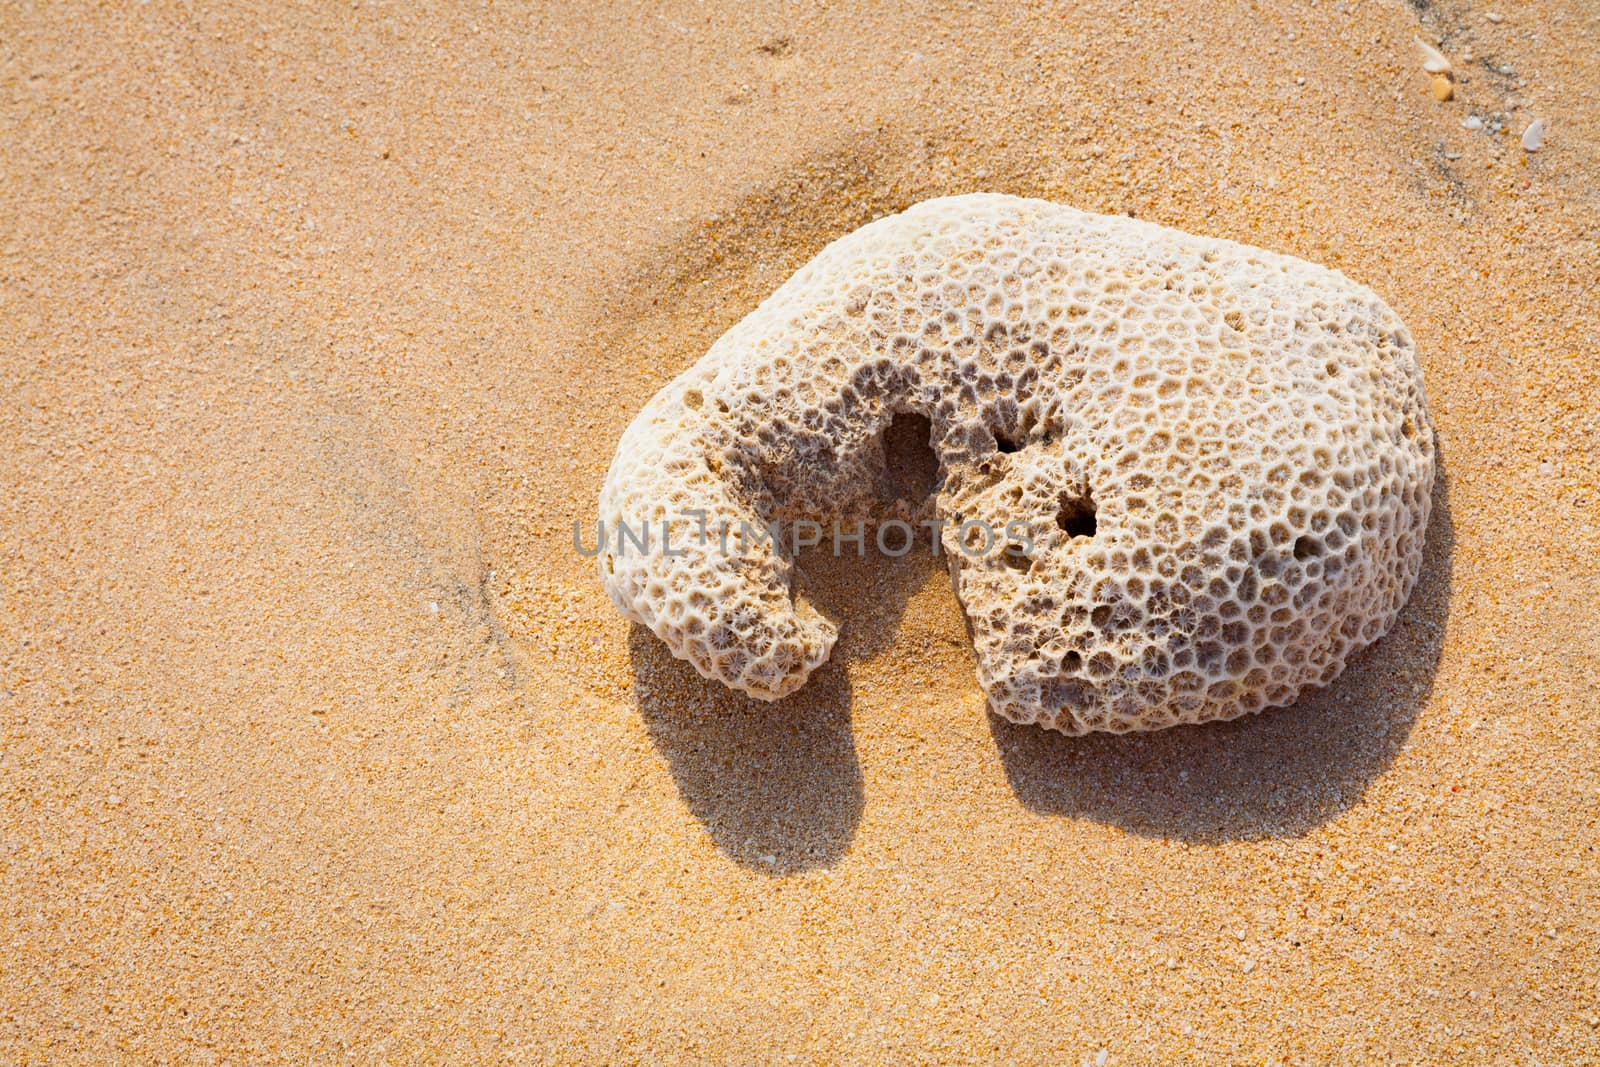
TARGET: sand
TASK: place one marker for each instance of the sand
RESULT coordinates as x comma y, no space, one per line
318,741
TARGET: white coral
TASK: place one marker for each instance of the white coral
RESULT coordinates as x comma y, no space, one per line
1223,454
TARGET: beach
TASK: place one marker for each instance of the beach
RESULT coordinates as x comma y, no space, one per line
321,742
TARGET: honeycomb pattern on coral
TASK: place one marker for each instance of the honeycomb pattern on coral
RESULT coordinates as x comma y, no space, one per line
1222,454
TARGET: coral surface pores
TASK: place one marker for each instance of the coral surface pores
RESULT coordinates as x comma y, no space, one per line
1221,456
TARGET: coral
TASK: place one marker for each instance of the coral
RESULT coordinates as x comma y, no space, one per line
1222,457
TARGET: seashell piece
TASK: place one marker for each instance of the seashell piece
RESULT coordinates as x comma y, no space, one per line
1433,60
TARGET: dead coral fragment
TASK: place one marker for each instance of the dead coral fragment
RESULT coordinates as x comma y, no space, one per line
1221,455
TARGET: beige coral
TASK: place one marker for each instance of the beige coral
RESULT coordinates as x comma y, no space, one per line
1221,455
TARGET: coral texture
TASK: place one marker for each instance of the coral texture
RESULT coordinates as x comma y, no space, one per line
1221,456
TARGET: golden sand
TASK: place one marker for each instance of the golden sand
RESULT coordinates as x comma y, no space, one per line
318,741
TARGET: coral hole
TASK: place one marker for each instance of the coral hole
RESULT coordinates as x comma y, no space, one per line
1076,517
908,459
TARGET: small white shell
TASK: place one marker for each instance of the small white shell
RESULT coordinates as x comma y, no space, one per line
1533,136
1433,60
1472,122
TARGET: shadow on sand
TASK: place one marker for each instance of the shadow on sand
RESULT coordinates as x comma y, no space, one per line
777,786
779,789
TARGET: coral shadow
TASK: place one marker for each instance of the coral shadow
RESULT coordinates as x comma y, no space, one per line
778,786
1278,774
